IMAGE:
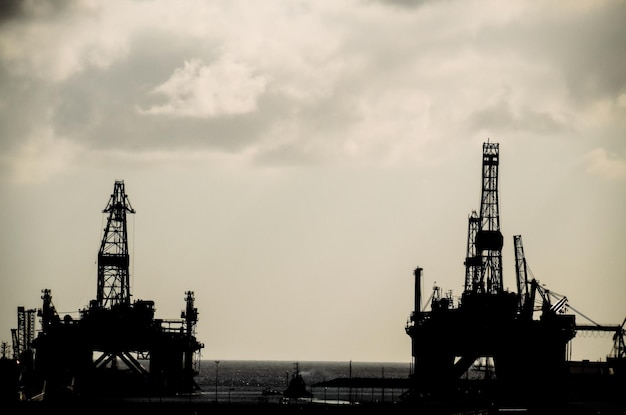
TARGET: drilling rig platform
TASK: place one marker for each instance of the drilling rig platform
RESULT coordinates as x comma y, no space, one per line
117,347
527,356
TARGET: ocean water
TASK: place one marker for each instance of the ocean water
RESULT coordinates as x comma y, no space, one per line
246,380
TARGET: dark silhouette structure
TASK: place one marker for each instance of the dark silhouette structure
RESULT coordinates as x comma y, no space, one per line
297,386
117,347
491,324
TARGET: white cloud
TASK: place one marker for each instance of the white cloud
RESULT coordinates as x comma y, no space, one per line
605,165
203,91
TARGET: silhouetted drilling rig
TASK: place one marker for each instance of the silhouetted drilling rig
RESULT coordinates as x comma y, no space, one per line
528,356
116,347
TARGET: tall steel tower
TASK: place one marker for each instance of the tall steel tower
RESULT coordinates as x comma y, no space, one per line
25,332
473,261
489,240
113,256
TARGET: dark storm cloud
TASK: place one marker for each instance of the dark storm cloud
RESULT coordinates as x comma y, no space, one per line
586,46
17,9
25,100
10,9
337,80
593,53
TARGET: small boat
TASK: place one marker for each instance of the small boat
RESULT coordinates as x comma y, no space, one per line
297,387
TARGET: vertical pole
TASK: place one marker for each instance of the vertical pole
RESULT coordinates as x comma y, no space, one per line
418,289
217,365
350,388
382,384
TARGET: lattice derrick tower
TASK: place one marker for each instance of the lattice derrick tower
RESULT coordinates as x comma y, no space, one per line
473,261
488,238
25,332
113,256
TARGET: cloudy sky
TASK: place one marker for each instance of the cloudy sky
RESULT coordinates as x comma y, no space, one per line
292,162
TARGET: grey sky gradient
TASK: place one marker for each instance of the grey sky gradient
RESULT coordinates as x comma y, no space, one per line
292,162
